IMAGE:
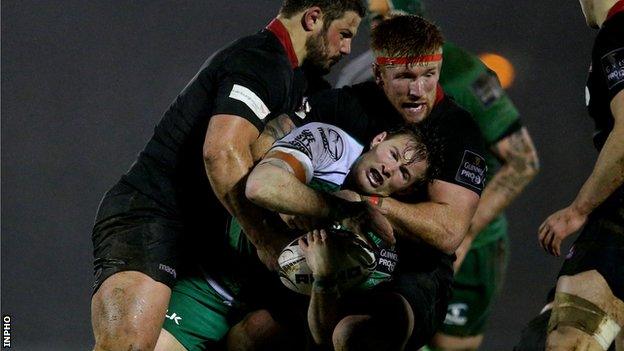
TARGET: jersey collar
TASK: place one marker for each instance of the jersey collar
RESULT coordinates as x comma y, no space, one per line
440,93
277,28
617,8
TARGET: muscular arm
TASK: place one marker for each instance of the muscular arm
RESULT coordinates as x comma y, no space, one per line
273,185
441,222
228,158
519,166
608,173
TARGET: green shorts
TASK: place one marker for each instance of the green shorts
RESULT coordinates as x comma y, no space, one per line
475,288
198,316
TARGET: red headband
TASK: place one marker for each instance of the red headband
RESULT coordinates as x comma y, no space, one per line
407,60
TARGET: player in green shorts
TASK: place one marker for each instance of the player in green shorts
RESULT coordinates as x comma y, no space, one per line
512,162
314,158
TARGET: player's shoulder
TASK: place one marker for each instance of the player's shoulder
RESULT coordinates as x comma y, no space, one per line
449,119
260,53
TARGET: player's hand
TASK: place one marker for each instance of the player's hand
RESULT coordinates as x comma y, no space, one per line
461,253
559,226
270,250
369,219
302,222
348,195
318,251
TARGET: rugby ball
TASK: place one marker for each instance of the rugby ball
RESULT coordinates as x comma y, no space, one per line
357,262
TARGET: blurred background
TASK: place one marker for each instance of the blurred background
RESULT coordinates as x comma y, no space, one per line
84,83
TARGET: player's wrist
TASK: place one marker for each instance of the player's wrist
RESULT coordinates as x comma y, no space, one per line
373,200
325,283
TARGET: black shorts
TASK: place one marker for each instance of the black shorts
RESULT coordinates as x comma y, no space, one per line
133,233
600,245
428,293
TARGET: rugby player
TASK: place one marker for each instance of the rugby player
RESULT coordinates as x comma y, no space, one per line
295,178
177,195
431,224
588,308
512,163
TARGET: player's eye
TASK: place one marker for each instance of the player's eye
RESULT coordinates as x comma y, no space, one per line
405,174
395,155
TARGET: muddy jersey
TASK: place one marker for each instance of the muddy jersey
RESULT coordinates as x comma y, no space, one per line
255,78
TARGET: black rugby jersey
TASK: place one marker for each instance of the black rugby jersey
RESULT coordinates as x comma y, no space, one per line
256,77
363,111
606,74
605,80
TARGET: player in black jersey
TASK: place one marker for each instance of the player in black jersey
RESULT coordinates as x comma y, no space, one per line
175,196
430,225
588,307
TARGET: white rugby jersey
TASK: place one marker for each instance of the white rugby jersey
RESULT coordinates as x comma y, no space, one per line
325,151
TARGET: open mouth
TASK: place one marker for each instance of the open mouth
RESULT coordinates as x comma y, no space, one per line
374,177
414,107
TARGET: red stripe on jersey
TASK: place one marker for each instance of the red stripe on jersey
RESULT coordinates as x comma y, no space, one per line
276,27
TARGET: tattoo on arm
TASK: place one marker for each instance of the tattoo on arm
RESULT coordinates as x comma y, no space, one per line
518,153
278,127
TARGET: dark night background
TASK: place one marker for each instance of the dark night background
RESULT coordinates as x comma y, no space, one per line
84,82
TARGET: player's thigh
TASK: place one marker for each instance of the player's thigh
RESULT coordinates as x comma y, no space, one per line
168,342
475,289
128,308
197,317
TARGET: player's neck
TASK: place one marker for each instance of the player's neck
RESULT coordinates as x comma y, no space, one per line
297,34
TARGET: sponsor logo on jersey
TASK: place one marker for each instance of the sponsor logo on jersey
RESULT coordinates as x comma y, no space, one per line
333,143
487,88
472,170
456,314
302,142
387,260
164,267
249,98
613,67
174,317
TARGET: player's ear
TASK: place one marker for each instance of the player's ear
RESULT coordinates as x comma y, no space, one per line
378,139
377,74
312,19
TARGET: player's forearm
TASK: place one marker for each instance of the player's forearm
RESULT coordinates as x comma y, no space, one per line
431,222
227,170
322,314
500,191
607,175
279,190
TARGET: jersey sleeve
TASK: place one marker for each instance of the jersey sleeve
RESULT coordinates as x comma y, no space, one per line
477,89
612,56
462,153
248,88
